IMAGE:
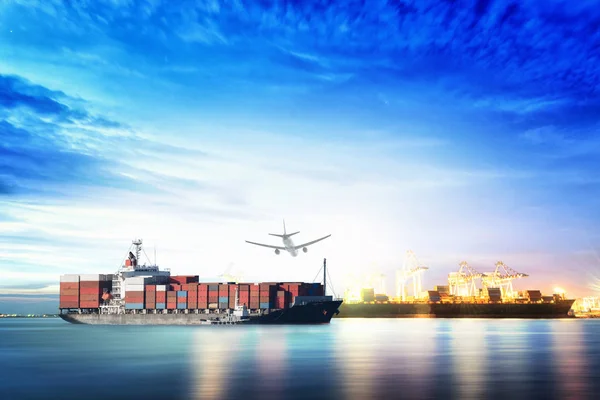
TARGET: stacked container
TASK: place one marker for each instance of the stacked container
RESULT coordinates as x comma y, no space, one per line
268,292
202,296
223,296
134,292
244,294
192,301
91,289
150,297
161,297
254,297
181,299
69,291
213,296
232,292
171,300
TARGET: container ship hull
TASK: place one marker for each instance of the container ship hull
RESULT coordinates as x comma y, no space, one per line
311,313
458,310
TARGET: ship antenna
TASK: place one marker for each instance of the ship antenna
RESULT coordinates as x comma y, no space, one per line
324,277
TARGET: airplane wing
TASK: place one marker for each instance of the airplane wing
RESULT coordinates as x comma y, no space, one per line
309,243
267,245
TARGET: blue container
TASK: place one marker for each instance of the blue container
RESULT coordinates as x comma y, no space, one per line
161,306
264,305
134,306
181,306
181,293
223,299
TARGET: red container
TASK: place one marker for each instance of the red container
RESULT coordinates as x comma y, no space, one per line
183,279
69,292
161,297
150,288
171,305
223,290
69,285
69,299
68,305
89,297
202,305
89,284
85,290
203,287
89,304
175,288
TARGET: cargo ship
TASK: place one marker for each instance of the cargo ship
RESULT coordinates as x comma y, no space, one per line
440,303
145,295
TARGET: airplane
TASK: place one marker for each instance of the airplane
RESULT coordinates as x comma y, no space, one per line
288,245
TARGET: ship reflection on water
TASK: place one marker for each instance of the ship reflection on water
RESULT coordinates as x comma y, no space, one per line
347,359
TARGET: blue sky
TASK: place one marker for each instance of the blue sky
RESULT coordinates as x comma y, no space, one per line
460,130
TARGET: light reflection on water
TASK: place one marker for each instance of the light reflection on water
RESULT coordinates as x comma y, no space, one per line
348,359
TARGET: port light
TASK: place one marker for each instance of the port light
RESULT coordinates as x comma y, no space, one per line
559,290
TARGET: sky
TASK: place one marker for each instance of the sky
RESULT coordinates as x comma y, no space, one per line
463,131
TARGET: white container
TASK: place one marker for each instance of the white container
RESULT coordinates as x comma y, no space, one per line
69,278
90,277
134,288
161,288
140,280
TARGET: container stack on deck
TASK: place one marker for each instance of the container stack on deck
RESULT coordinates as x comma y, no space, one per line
69,291
182,293
83,291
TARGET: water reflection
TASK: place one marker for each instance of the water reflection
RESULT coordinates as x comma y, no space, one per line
571,364
376,358
469,358
214,354
271,356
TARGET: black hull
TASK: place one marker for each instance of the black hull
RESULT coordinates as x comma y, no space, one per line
312,313
459,310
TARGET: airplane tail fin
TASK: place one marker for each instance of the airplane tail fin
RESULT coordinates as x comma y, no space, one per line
284,232
282,236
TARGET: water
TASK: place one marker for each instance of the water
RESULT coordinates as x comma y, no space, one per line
348,359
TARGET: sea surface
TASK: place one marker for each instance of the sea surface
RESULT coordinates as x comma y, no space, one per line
348,359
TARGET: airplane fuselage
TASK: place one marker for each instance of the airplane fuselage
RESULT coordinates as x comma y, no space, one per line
289,246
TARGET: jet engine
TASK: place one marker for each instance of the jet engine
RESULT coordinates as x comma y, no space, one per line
304,249
276,251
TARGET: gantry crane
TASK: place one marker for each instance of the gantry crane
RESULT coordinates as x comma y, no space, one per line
411,268
462,283
502,278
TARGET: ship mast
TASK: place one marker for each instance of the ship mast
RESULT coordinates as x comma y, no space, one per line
324,277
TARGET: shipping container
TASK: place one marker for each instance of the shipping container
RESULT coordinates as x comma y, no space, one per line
181,293
69,285
161,288
181,306
171,305
161,306
69,292
223,306
150,288
68,305
183,279
212,288
134,306
89,304
264,305
223,299
71,278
